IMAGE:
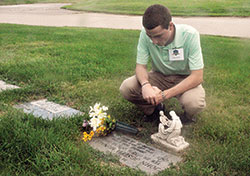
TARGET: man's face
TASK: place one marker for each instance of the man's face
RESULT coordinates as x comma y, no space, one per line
159,35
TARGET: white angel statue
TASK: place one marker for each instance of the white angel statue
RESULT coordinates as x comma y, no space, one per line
169,132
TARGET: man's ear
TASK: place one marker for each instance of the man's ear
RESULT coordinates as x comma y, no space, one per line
171,25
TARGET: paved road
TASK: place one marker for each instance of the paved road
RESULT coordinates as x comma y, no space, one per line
52,15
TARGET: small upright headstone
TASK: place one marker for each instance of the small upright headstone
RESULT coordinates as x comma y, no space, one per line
4,86
47,110
135,154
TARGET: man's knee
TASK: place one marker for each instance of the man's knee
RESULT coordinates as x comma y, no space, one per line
127,87
193,101
194,106
124,89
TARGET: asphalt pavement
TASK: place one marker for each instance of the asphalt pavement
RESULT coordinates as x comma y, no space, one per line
52,15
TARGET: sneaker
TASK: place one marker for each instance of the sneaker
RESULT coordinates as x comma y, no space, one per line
156,114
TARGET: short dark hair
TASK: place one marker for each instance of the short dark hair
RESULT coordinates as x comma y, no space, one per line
156,15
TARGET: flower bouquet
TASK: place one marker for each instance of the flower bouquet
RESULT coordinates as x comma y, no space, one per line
101,124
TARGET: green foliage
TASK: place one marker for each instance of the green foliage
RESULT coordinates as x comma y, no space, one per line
178,8
79,67
63,55
11,2
137,7
39,146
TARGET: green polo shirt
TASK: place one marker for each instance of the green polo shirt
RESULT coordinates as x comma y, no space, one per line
186,39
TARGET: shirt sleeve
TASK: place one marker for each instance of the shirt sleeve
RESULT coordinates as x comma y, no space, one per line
142,49
195,57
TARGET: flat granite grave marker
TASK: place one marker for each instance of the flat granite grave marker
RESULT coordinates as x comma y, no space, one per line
4,86
135,154
47,110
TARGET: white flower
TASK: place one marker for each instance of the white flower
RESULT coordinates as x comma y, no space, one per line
105,108
94,112
97,114
102,115
94,123
97,107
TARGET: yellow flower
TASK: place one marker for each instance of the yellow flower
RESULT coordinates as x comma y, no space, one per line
99,129
85,138
92,133
109,116
103,119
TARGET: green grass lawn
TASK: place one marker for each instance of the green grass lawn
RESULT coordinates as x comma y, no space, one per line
79,67
137,7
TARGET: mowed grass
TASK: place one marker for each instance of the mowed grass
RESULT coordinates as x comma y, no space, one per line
137,7
178,8
79,67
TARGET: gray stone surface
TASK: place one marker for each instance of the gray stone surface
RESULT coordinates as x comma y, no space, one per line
135,154
52,15
47,109
4,86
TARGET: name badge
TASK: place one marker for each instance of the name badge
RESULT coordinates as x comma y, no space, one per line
176,54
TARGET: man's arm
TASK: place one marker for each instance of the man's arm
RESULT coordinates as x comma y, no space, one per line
148,92
141,73
193,80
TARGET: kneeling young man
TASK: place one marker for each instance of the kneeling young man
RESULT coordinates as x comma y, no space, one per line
177,66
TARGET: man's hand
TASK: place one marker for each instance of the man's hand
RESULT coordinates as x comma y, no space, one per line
151,94
159,98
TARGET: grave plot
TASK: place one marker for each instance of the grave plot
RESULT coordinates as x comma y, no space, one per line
131,152
135,154
47,110
4,86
